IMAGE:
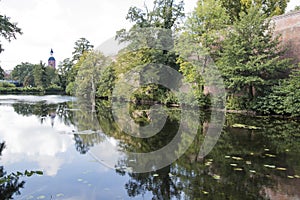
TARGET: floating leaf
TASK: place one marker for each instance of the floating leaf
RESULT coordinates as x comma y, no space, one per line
60,195
270,155
237,158
217,177
270,166
238,169
281,168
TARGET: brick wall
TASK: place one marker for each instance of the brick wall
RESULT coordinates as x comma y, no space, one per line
288,25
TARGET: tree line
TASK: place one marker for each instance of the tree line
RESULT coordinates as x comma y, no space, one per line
238,35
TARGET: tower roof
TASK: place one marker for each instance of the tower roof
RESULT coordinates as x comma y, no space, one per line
51,58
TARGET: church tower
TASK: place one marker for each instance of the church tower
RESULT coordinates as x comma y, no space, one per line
51,60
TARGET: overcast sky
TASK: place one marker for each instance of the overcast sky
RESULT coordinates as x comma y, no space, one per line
58,24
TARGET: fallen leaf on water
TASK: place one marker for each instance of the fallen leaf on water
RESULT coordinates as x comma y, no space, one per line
60,195
237,158
270,166
204,192
238,169
281,168
270,155
217,177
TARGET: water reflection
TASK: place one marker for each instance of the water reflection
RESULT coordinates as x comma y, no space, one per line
8,186
67,141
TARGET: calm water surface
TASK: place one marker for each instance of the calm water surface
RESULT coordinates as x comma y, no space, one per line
83,155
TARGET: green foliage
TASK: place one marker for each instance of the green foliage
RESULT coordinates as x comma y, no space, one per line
8,30
250,61
24,74
90,73
268,7
63,70
4,84
284,99
106,82
82,45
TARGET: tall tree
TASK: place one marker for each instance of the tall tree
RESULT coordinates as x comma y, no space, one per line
63,71
251,58
81,45
40,75
8,29
268,7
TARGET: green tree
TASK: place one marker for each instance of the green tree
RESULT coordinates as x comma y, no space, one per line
251,60
81,45
63,71
268,7
89,74
24,74
8,29
40,75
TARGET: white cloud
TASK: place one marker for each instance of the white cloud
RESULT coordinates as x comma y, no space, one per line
58,24
26,140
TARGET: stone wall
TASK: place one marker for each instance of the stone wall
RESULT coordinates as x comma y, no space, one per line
288,25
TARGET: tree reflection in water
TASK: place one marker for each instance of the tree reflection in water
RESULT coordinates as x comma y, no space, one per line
8,186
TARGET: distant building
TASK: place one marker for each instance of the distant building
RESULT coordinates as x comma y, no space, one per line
288,26
51,60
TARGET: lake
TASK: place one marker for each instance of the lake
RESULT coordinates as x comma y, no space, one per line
96,154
